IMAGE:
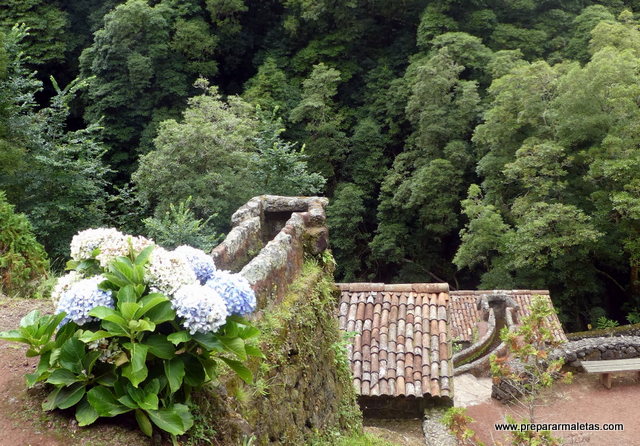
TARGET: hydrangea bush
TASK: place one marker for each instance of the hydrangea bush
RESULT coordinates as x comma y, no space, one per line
136,329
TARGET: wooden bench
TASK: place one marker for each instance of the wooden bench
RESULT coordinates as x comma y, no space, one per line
608,366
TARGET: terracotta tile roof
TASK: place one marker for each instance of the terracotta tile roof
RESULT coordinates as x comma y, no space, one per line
402,344
465,315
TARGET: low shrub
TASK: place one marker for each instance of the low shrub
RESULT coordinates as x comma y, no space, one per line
136,329
179,226
23,261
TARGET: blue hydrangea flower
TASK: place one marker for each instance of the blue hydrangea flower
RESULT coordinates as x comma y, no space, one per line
235,290
201,263
201,308
82,297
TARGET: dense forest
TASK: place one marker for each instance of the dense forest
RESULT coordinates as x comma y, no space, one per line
486,143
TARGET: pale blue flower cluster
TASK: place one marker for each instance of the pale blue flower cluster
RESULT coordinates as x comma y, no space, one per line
82,297
201,263
202,296
235,290
201,308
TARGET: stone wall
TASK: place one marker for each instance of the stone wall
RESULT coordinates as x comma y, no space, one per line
590,349
500,310
595,349
304,387
482,365
268,241
308,384
623,330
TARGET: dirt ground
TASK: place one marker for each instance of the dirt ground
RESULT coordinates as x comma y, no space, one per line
586,401
22,421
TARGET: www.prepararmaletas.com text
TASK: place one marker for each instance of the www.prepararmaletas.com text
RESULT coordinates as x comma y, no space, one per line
537,427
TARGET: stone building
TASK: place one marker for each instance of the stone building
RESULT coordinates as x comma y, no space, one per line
402,352
401,355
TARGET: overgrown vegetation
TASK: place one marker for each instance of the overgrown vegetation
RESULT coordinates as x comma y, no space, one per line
23,261
304,383
178,226
137,331
486,144
528,368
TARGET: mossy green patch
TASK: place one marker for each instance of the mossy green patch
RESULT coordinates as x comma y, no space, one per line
621,330
481,352
303,390
353,439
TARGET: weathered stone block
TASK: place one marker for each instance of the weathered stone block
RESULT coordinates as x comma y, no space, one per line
593,355
609,354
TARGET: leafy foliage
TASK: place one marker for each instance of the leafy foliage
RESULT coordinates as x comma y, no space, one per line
207,157
604,323
322,124
23,261
132,357
528,370
142,63
280,168
54,175
48,25
346,214
457,421
222,154
634,317
527,367
551,153
401,109
178,227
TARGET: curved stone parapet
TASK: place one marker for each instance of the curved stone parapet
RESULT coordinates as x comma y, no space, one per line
268,240
490,297
482,365
468,355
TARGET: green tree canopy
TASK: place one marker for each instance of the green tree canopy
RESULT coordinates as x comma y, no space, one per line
221,154
560,170
54,175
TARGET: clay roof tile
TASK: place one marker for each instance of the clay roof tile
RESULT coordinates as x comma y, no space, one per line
402,340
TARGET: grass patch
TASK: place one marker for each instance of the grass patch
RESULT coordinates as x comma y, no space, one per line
354,439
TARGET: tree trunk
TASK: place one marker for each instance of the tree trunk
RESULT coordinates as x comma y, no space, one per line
634,286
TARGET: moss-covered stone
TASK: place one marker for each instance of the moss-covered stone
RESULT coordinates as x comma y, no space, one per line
303,388
622,330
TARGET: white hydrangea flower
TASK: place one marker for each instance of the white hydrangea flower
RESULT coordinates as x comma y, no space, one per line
85,242
120,248
167,271
111,243
140,242
201,263
201,308
82,297
63,284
